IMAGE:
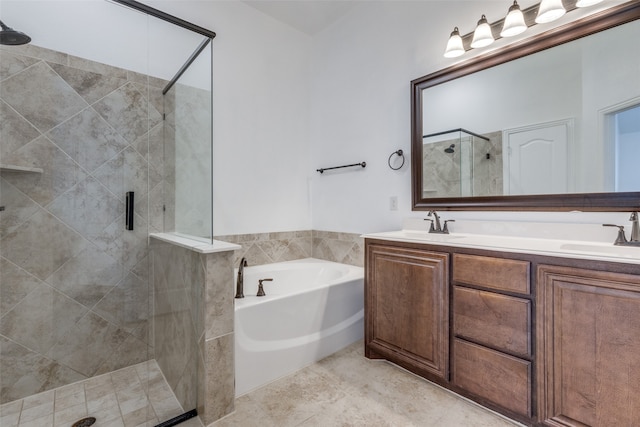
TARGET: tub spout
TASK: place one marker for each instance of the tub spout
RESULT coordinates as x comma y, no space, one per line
240,280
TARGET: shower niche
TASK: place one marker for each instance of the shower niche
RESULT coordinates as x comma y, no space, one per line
460,163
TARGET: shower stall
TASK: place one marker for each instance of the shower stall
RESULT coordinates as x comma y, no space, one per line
461,163
105,138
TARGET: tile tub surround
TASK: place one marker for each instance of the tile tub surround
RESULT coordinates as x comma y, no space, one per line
193,326
267,248
74,303
345,248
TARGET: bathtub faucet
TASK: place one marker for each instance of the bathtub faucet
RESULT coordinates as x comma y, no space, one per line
260,288
240,280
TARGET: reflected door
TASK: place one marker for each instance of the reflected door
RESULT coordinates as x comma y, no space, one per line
536,159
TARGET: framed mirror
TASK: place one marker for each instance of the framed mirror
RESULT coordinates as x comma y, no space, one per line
548,123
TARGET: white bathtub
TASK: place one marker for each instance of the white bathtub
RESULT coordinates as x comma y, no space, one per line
312,309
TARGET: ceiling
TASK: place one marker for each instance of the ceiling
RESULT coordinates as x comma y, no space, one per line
313,16
307,16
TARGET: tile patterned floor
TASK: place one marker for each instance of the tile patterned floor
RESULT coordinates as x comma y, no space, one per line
344,389
117,399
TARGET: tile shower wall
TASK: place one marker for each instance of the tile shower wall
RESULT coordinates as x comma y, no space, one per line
447,174
193,327
74,288
487,172
267,248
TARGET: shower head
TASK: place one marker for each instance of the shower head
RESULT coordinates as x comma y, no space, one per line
450,149
9,36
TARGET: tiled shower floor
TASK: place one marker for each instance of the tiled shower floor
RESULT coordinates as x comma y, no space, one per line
116,399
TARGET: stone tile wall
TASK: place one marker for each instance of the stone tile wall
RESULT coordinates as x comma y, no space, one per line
488,173
193,327
267,248
74,289
346,248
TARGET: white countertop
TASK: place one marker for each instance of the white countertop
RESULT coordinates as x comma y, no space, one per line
196,244
503,240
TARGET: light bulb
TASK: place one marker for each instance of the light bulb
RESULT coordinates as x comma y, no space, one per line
514,22
454,45
482,36
550,10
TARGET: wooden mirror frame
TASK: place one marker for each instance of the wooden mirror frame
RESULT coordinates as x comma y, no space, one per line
623,201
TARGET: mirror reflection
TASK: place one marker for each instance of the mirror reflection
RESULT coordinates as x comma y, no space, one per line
462,163
564,120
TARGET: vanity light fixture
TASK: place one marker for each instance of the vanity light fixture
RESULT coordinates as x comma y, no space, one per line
454,45
482,36
550,10
514,22
587,3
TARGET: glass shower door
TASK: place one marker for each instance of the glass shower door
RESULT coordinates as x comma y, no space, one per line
74,139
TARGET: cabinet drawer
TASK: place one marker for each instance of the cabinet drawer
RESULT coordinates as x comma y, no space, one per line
494,273
499,321
502,379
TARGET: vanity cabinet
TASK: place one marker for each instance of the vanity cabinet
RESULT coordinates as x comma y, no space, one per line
588,347
548,341
491,350
407,308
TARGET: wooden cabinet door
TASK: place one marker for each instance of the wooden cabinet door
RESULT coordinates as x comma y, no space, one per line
588,347
407,315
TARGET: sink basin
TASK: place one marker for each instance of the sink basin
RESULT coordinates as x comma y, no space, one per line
610,250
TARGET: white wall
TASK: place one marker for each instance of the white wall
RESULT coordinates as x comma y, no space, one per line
287,103
261,110
360,110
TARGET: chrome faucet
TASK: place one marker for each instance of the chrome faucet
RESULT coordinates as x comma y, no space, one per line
240,280
436,227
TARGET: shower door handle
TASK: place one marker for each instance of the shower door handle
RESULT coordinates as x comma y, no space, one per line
128,215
